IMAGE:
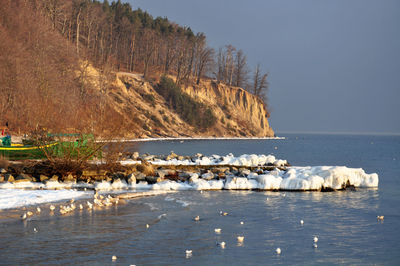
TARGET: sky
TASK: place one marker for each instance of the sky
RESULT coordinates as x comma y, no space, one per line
334,66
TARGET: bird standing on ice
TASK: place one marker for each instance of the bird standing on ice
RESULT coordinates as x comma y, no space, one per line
278,251
315,239
380,217
301,222
188,253
240,238
217,230
197,218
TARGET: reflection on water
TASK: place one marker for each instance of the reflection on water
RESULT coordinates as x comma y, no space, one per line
345,223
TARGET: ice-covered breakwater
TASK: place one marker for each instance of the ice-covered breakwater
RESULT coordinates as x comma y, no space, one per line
249,160
245,172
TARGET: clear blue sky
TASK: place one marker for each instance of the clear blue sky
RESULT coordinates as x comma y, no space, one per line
334,65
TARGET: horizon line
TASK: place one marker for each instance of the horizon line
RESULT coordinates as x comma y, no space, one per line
339,133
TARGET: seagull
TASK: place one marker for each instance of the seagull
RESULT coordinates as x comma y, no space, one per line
197,218
240,238
90,205
80,206
188,253
223,213
217,230
114,258
147,225
52,207
23,216
301,222
315,239
38,210
241,222
380,217
35,230
315,245
278,251
222,244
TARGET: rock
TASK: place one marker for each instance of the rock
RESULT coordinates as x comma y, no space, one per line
259,171
9,178
171,156
93,173
234,171
244,172
146,168
221,175
3,171
162,172
149,158
153,179
69,178
184,175
23,178
220,170
194,177
135,155
140,176
118,175
207,176
53,178
43,178
131,179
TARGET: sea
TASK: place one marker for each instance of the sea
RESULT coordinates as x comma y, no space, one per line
162,230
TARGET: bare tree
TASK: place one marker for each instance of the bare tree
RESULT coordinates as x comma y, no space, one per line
241,71
260,84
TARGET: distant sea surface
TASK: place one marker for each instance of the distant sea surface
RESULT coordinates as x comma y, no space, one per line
345,222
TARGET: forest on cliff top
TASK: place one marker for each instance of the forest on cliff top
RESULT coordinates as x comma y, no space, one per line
48,45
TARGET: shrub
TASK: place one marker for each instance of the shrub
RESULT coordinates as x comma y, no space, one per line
191,111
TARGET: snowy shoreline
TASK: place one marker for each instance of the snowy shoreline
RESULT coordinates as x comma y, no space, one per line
245,172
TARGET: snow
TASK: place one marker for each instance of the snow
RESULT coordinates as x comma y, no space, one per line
15,198
306,178
230,159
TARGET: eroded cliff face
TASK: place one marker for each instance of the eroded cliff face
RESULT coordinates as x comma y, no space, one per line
238,112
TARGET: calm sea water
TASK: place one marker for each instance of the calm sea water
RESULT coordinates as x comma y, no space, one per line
345,222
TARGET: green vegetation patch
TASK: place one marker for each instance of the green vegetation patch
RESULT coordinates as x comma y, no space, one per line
191,111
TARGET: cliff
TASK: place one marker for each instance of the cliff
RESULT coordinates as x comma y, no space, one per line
238,112
244,114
